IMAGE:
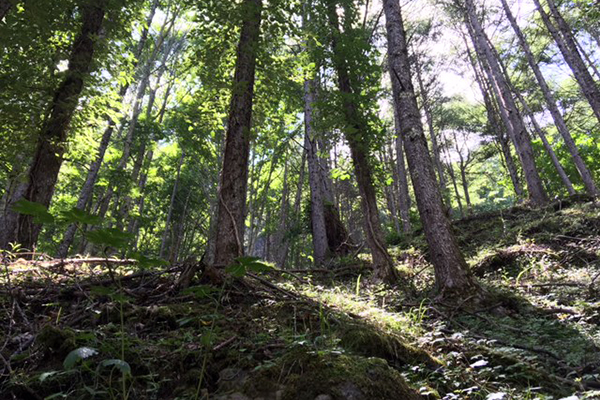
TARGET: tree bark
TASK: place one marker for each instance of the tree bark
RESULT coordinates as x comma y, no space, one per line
566,43
48,157
451,271
559,121
234,173
508,109
354,134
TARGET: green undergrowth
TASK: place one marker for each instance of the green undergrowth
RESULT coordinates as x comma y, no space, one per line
68,333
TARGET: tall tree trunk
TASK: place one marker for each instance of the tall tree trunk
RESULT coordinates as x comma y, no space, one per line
337,235
390,190
48,157
561,33
547,146
317,209
284,248
495,124
163,242
403,194
559,121
429,118
509,111
382,262
451,271
234,173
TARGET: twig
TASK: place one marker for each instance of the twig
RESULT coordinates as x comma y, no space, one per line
225,343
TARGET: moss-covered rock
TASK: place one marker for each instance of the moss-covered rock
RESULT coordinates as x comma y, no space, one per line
305,375
371,342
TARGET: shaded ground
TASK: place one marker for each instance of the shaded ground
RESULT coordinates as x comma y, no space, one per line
71,331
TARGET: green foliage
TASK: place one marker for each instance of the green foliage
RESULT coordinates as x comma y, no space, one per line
243,265
38,211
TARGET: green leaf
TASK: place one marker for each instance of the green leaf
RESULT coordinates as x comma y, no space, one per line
75,215
123,366
237,270
147,262
208,339
109,237
77,355
38,211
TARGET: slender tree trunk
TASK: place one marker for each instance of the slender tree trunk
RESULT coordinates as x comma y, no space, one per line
234,173
566,43
284,248
403,194
48,157
429,118
559,121
317,209
455,186
382,262
495,124
508,108
386,154
451,271
163,242
547,146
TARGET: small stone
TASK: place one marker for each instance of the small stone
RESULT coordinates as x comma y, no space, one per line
323,397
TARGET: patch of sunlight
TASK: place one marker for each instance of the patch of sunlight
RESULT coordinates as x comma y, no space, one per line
346,301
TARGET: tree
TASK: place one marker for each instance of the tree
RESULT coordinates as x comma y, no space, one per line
234,173
561,32
451,271
356,135
48,157
508,109
583,170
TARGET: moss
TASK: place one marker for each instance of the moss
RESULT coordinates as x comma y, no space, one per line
56,341
371,342
309,374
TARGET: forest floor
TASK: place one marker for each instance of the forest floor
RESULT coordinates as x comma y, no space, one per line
106,331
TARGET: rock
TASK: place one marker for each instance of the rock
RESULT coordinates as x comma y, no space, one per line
350,391
323,397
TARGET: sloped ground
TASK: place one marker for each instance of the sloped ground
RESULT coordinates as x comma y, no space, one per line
85,331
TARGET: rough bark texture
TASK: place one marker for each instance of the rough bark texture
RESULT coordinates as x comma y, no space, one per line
559,121
48,157
508,109
561,33
234,172
382,262
451,270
